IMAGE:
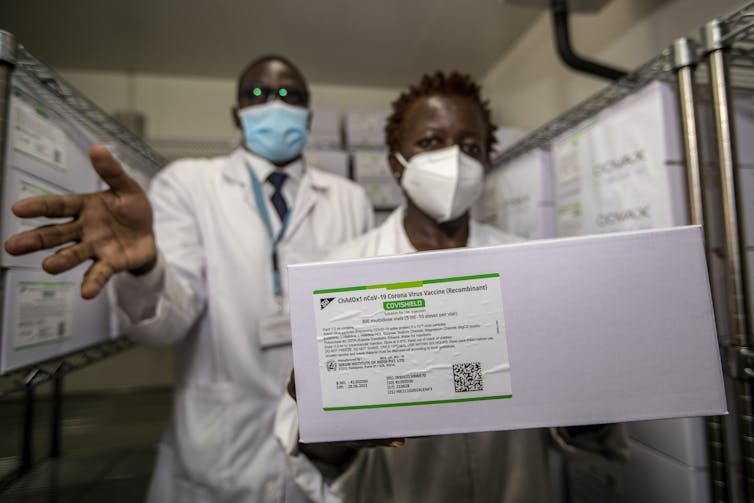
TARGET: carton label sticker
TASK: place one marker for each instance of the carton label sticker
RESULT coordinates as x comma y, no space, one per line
412,343
34,131
44,312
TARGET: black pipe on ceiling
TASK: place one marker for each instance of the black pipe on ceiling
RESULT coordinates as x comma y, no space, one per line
560,15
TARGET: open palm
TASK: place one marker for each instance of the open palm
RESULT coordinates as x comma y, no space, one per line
113,228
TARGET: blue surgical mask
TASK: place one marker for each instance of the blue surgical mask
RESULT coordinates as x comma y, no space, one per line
275,130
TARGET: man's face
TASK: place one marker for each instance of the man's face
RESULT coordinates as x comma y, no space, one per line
271,80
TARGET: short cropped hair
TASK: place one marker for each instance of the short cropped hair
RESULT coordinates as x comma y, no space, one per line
265,59
439,83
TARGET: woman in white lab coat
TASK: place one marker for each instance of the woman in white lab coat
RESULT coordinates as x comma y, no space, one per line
439,136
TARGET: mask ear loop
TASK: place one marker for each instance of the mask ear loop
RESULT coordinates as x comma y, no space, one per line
401,160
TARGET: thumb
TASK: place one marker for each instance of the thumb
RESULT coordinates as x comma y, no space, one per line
111,171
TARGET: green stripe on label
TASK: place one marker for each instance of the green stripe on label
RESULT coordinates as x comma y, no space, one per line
46,283
461,278
397,286
403,304
408,404
407,284
347,289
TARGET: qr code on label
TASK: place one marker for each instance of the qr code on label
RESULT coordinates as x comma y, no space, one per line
467,376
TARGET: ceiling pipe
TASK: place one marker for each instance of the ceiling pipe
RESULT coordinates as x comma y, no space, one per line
560,15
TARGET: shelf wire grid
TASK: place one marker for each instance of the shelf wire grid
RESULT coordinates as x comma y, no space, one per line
73,106
658,68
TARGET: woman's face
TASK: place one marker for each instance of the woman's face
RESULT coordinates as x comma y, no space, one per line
437,122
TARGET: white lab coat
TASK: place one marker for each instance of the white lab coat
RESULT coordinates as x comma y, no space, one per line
501,467
216,286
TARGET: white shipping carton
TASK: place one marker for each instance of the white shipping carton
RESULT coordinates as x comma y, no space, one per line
621,170
45,317
365,128
325,132
595,329
368,164
333,161
47,145
525,196
20,185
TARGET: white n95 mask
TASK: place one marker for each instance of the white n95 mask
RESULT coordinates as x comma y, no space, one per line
442,183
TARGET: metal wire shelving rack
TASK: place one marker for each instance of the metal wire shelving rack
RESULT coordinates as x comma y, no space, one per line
18,65
658,68
706,71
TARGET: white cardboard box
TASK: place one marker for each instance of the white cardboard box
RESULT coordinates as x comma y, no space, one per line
525,196
47,145
44,316
621,170
365,128
594,329
325,132
369,164
18,185
334,161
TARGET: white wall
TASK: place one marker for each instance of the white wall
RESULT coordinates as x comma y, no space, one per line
528,86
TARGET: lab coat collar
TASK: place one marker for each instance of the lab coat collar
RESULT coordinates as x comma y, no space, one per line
313,184
236,170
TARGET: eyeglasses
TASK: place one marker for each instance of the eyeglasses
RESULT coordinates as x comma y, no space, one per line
257,94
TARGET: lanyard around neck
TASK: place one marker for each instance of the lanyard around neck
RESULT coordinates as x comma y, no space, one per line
265,216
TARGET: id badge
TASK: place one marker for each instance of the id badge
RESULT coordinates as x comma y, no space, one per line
275,330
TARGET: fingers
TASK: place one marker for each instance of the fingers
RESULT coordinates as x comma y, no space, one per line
68,205
67,258
292,385
95,279
42,238
361,444
110,170
384,442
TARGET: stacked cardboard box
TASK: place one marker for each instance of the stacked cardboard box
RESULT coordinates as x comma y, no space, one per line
43,315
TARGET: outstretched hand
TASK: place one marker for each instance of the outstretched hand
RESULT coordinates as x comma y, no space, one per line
113,228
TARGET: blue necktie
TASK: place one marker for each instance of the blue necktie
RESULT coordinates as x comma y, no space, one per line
277,178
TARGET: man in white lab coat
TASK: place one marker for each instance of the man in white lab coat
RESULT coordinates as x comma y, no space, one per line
207,273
